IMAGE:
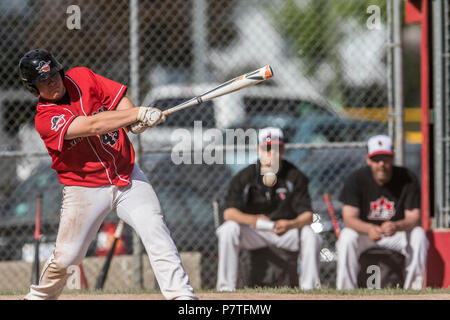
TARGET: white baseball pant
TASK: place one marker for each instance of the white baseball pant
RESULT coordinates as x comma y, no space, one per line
413,245
233,236
82,213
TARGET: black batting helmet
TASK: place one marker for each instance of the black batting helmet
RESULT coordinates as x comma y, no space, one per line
36,66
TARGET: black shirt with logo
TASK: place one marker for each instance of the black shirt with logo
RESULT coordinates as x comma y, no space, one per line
287,199
381,203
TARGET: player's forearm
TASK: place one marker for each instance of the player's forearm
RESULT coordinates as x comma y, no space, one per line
236,215
409,222
350,215
304,219
109,121
101,123
357,224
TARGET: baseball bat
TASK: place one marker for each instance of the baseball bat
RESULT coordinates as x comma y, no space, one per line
37,235
238,83
104,272
327,199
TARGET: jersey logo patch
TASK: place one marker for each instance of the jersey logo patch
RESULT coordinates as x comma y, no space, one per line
44,66
381,209
110,138
57,122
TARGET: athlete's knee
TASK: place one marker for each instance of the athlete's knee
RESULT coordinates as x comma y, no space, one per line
348,238
309,237
228,230
62,261
418,238
54,270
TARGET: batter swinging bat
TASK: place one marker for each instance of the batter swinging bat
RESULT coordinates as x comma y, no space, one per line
327,199
238,83
102,276
37,236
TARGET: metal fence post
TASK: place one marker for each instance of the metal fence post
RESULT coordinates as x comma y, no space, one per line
199,34
438,82
390,88
398,83
446,94
134,80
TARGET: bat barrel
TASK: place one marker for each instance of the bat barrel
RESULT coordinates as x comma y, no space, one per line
37,235
37,228
334,221
268,72
104,272
238,83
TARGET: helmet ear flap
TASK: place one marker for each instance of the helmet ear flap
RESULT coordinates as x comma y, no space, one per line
33,90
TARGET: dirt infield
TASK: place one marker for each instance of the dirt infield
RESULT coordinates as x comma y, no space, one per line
250,296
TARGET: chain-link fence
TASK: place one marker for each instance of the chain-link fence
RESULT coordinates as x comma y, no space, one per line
330,92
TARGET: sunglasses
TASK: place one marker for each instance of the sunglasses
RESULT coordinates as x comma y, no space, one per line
381,157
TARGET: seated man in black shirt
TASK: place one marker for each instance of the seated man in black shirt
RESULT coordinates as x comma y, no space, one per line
381,208
285,207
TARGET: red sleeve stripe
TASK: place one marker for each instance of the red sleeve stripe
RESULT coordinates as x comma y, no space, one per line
118,93
69,111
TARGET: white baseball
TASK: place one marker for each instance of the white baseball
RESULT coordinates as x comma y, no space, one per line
269,179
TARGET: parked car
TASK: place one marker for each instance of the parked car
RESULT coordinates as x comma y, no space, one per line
224,112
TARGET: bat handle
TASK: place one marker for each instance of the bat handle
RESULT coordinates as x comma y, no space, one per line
327,199
119,229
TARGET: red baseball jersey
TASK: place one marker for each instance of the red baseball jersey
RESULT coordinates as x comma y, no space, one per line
89,161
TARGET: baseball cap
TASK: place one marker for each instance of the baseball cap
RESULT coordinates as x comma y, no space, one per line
379,144
270,135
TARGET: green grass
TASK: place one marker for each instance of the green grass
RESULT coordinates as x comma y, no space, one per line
334,291
276,290
13,292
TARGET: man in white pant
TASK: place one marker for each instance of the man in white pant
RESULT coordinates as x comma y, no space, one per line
258,215
81,117
381,208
